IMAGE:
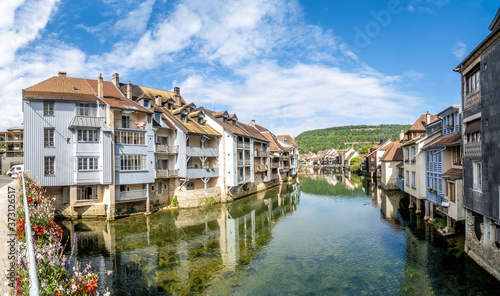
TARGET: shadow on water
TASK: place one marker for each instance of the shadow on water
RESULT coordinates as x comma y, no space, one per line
332,234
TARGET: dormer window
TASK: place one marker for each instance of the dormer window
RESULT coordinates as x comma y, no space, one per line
224,119
234,122
183,118
169,106
201,120
157,116
146,104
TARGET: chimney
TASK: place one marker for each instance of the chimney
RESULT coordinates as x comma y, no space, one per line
158,101
61,74
177,96
252,123
427,118
129,90
401,135
100,87
116,79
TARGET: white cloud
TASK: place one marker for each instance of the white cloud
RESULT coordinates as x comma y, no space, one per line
459,50
304,96
136,20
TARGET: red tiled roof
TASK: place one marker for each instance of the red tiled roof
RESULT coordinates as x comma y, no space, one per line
418,126
114,97
394,152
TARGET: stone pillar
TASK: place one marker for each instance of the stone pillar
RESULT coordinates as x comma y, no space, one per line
419,206
411,203
73,192
426,216
431,213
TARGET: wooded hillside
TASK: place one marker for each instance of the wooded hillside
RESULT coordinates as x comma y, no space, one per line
321,139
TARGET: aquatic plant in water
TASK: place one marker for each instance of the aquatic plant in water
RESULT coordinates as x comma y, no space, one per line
55,276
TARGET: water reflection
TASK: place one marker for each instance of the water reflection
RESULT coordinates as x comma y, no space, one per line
332,234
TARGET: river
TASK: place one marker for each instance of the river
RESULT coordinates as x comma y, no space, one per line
329,234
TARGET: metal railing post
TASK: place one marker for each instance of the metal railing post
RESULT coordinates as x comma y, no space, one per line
34,288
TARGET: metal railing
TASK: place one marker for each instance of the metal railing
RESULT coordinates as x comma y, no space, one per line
130,124
401,183
34,288
130,195
159,148
165,173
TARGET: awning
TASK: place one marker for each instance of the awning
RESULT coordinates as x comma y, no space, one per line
473,126
92,122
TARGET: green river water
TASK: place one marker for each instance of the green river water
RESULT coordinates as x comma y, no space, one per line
326,235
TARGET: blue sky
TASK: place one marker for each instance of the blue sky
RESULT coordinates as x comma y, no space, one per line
290,65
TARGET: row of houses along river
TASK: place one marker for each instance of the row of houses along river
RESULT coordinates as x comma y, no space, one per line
326,234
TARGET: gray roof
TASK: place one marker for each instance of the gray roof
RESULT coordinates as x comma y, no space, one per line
95,122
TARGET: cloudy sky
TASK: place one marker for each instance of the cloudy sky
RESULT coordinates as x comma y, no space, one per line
291,65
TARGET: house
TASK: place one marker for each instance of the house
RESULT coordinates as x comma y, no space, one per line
443,171
279,156
373,164
413,176
389,166
288,141
480,91
346,156
69,126
11,148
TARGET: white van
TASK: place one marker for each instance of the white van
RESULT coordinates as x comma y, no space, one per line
14,170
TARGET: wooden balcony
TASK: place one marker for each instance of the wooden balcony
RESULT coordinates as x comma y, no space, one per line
166,149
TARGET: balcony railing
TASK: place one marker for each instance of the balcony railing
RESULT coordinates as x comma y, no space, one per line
472,100
202,173
260,153
472,150
401,183
166,149
131,195
247,162
240,179
285,168
199,151
436,198
167,173
261,167
240,162
130,124
243,145
14,138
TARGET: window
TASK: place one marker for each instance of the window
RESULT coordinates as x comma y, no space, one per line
407,177
48,137
472,82
473,138
87,135
87,192
125,121
48,108
183,118
457,155
133,163
161,140
407,155
477,176
451,191
224,119
160,187
88,163
85,109
201,120
130,138
157,117
413,180
412,154
190,186
146,103
49,165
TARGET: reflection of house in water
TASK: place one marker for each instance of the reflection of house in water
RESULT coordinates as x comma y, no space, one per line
180,252
391,202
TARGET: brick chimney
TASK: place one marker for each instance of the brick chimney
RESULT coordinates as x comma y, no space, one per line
116,79
177,96
129,90
61,74
427,118
100,87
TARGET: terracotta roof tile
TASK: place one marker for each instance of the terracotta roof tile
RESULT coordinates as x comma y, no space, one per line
165,94
418,126
114,97
63,88
453,174
252,131
288,140
234,129
394,152
447,140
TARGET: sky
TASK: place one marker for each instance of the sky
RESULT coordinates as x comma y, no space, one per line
291,65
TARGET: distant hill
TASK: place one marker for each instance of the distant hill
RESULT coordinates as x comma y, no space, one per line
321,139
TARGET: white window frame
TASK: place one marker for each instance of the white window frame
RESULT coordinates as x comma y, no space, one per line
48,108
130,138
477,184
49,165
82,193
88,164
48,137
133,163
87,135
413,180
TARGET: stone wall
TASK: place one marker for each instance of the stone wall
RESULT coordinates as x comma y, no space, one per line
196,198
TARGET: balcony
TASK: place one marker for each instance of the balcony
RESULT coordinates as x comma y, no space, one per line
472,150
130,124
436,198
166,173
202,173
247,162
166,149
472,100
243,145
285,169
275,165
202,152
260,153
260,168
124,196
11,138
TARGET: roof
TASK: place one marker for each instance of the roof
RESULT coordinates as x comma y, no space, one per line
381,146
495,31
137,92
453,174
494,23
274,145
233,129
394,152
62,87
164,94
415,140
288,140
114,97
419,125
447,140
252,131
95,122
190,126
